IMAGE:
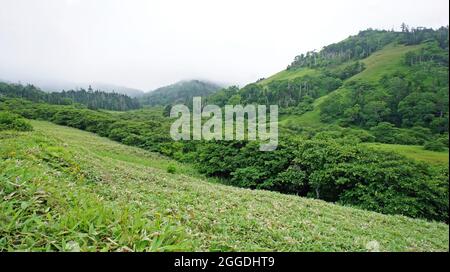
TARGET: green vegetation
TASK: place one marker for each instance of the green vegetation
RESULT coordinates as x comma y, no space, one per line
10,121
288,75
365,44
82,98
368,80
241,164
391,90
364,124
434,146
414,152
178,93
60,193
335,171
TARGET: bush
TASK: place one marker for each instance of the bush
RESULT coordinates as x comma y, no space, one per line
434,145
374,180
171,169
444,139
386,132
11,121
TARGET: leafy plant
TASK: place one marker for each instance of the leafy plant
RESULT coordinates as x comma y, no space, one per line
10,121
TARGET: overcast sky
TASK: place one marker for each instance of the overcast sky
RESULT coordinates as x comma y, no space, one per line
149,43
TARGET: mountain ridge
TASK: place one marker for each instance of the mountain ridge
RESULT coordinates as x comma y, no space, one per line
180,92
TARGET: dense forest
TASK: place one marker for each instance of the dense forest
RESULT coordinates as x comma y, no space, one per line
415,97
89,98
179,93
367,42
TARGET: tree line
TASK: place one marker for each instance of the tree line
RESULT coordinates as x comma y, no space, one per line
367,42
88,98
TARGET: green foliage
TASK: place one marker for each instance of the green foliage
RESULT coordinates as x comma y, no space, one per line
10,121
353,48
414,152
413,95
349,70
373,180
242,164
50,203
179,93
64,189
365,43
166,112
400,104
91,99
434,145
288,94
221,97
335,171
171,169
386,132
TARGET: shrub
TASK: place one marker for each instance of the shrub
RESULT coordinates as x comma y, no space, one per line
374,180
434,145
386,132
171,169
11,121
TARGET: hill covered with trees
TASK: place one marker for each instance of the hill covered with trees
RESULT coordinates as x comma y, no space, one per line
396,80
89,98
179,93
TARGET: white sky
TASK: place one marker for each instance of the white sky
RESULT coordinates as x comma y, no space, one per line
149,43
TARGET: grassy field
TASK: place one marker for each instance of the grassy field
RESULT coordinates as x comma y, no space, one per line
308,119
65,189
414,152
385,61
289,74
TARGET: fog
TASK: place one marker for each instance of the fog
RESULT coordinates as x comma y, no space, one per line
149,43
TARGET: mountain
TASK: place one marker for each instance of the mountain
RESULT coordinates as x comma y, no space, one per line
391,84
104,87
180,92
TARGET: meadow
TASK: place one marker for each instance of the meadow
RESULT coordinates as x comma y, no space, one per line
68,190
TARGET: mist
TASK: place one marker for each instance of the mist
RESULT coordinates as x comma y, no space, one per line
147,44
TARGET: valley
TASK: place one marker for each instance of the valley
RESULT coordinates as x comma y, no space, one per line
361,162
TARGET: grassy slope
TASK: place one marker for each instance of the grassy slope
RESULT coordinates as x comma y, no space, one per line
65,189
414,152
386,61
289,74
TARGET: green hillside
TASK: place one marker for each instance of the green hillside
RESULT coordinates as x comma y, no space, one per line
65,189
384,62
180,92
415,152
383,81
288,75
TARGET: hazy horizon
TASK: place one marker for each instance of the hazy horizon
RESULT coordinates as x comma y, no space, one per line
148,44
